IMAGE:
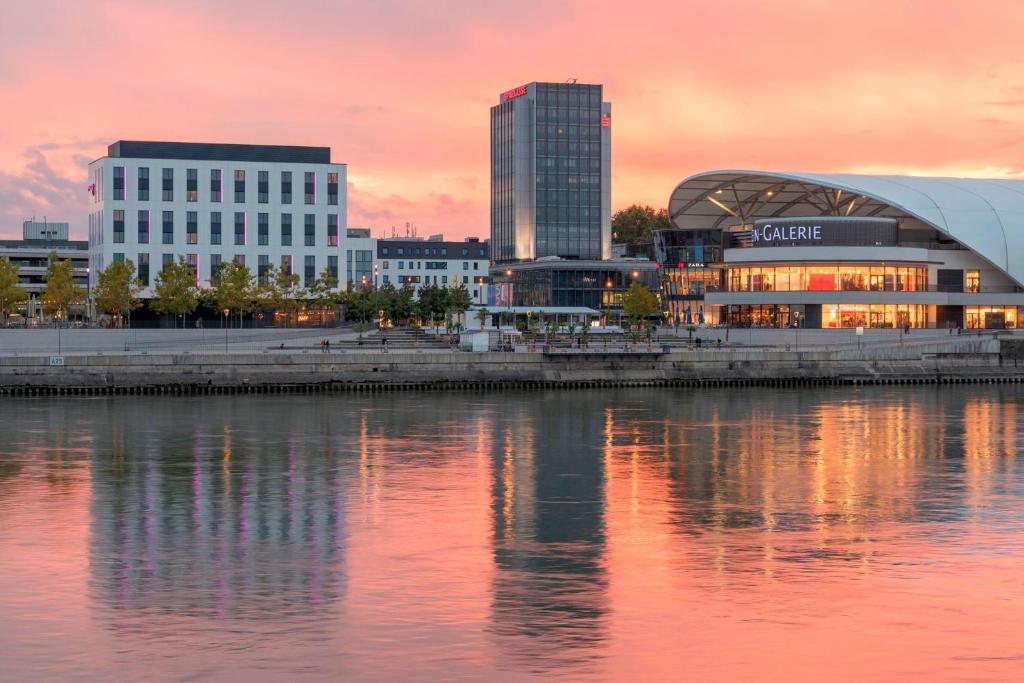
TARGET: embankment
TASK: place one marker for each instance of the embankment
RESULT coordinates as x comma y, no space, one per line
956,360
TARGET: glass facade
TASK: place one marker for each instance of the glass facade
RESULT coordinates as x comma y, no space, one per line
595,288
874,315
828,278
557,130
991,317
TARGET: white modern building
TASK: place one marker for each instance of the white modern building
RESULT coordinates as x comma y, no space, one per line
419,262
151,202
771,249
31,255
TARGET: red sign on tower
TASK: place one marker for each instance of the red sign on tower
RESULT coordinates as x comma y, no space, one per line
513,93
606,121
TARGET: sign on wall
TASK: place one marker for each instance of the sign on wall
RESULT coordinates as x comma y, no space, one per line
824,230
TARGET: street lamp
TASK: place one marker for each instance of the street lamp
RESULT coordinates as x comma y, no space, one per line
226,311
480,290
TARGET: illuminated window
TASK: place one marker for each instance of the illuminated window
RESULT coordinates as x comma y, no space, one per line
973,284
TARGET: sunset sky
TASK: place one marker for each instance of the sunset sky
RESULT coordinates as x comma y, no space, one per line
400,90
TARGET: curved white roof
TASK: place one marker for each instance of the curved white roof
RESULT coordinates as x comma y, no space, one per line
984,215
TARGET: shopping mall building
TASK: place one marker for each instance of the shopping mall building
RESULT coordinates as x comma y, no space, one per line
753,248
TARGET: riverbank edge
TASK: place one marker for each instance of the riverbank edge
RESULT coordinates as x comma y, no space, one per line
987,360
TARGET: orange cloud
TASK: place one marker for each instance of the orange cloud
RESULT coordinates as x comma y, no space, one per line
400,89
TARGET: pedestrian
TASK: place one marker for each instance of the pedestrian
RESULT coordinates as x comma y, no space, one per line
384,343
327,345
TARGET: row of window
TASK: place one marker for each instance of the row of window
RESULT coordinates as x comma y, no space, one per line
215,228
828,279
430,265
216,186
309,272
429,251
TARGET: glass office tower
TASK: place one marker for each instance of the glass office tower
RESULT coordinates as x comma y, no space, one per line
551,173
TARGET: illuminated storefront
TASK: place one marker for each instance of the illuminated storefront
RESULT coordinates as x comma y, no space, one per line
828,278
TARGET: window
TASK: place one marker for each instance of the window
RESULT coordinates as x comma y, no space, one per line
385,265
167,260
168,184
401,265
286,187
119,182
191,185
262,266
240,227
310,230
399,251
465,279
143,226
263,187
215,263
383,251
118,226
332,268
240,259
118,257
168,224
191,227
475,264
465,265
143,271
286,230
386,279
239,187
193,262
332,189
332,230
444,279
973,281
310,187
143,184
263,228
286,265
215,227
216,187
309,269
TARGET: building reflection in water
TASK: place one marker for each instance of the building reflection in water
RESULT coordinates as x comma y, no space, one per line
549,593
538,532
217,519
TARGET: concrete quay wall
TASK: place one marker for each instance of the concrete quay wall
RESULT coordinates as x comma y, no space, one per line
967,360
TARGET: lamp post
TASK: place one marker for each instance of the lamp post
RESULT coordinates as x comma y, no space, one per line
226,311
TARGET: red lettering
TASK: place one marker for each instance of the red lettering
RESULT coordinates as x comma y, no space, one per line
513,93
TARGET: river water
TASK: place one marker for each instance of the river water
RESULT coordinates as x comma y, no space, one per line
641,535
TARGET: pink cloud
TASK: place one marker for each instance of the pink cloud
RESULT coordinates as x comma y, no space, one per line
400,89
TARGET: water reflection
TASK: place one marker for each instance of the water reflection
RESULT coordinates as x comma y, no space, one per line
586,534
548,503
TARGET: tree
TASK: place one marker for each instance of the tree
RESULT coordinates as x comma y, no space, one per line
457,299
175,291
639,303
635,224
60,292
405,304
481,315
321,290
117,291
10,293
234,289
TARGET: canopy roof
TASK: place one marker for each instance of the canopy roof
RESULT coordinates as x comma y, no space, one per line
984,215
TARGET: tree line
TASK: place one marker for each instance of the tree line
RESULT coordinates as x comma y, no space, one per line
235,290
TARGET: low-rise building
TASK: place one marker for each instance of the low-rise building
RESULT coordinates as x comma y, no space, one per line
418,262
31,255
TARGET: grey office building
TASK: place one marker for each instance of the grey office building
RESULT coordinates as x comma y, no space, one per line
551,173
